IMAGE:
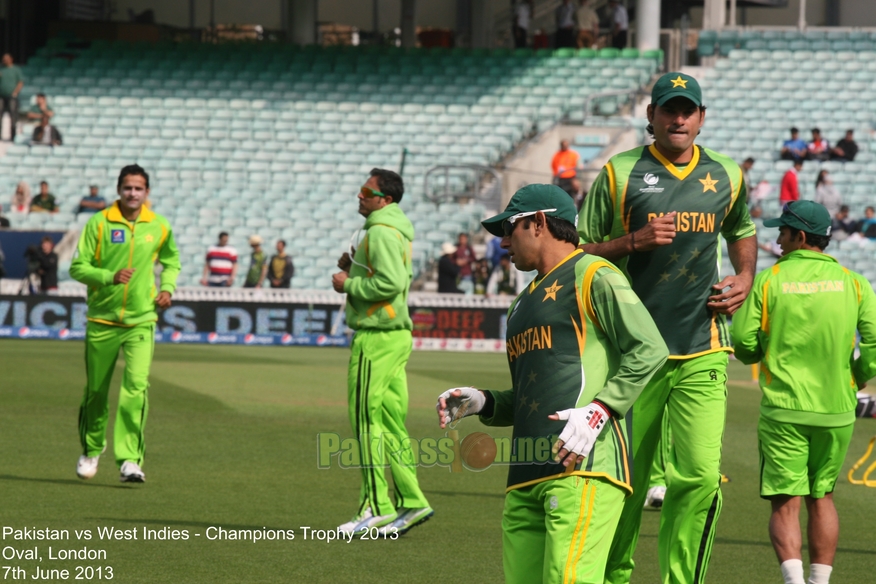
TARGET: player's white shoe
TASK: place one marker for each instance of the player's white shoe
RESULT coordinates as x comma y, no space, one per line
655,497
407,520
366,520
131,473
86,467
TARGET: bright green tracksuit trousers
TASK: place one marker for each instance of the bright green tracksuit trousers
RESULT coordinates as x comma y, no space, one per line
694,395
102,344
378,404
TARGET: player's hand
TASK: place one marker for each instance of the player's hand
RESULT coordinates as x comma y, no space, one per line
123,276
345,261
338,281
729,302
580,433
457,403
163,300
660,231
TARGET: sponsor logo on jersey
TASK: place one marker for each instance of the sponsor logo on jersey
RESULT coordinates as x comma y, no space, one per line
117,236
651,180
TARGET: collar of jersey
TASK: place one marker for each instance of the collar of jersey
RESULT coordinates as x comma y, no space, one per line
675,171
808,254
537,281
114,214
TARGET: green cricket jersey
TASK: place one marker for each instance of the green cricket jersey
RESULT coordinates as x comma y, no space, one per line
381,274
110,243
674,281
799,322
577,334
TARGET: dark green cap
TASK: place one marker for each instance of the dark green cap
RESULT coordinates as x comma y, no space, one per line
676,84
806,216
551,199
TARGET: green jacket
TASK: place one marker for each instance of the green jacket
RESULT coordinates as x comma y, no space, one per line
110,243
381,274
799,322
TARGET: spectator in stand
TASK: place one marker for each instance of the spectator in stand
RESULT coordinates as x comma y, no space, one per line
481,276
4,222
620,23
46,134
790,189
565,168
258,264
45,201
522,19
495,252
842,226
867,227
465,258
221,265
826,194
448,270
565,14
11,83
795,148
746,167
281,268
21,198
818,148
846,149
40,109
93,202
505,280
588,25
48,265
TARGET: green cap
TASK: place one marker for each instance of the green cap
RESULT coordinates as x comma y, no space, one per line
551,199
806,216
676,84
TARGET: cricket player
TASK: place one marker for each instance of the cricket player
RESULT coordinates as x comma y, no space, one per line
581,347
800,323
377,280
115,259
658,211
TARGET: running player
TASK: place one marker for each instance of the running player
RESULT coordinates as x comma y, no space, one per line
809,377
657,212
115,258
581,347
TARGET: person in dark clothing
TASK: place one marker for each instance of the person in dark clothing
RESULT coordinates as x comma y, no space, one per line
846,149
48,265
280,268
448,270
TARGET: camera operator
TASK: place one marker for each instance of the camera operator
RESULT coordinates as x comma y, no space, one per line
44,263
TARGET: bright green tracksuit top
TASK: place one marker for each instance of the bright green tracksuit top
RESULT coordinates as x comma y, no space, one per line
799,322
110,243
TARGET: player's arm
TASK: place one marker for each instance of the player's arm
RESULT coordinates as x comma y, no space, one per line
864,367
233,275
745,328
386,256
168,257
84,267
739,231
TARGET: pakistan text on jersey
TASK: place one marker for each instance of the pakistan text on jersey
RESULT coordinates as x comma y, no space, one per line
535,338
690,221
812,287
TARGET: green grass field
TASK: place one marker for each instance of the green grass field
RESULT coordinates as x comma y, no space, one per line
232,443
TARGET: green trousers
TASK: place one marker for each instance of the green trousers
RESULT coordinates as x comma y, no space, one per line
661,456
693,394
378,404
559,531
102,344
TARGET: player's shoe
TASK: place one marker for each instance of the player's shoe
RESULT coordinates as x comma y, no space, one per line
86,467
655,497
131,473
366,520
407,520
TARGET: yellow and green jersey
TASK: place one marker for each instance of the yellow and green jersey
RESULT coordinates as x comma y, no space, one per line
799,322
110,243
674,281
576,335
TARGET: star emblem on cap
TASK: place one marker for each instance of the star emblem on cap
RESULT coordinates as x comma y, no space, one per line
708,183
551,291
679,82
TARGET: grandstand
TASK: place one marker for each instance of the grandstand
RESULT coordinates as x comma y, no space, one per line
276,139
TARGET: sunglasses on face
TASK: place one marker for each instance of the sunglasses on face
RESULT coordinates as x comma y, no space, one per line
368,193
787,209
510,223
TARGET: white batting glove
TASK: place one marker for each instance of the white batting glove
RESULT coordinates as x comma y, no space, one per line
580,433
457,403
